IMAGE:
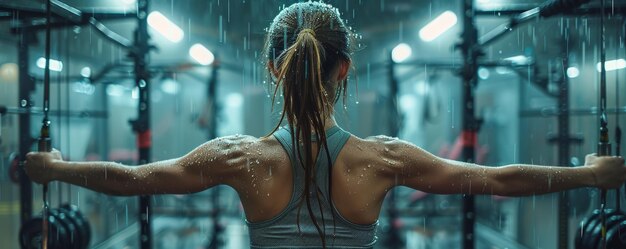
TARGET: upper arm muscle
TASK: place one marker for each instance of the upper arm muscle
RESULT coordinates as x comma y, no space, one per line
212,163
411,166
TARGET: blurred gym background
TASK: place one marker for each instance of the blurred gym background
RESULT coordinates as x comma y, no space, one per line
94,95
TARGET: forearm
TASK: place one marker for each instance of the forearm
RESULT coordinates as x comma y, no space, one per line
523,180
105,177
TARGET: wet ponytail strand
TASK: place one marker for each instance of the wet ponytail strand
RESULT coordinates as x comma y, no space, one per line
306,106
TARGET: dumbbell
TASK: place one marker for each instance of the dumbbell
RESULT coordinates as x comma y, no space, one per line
31,233
616,236
68,229
582,232
593,238
79,221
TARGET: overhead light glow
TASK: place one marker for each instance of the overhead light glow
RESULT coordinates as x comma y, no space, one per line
612,65
85,72
483,73
55,65
135,93
519,59
201,54
115,90
572,72
165,27
169,86
401,52
407,102
503,70
422,88
234,100
438,26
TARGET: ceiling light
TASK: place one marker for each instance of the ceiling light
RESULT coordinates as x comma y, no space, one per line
85,72
201,54
438,26
401,52
165,27
55,65
572,72
612,65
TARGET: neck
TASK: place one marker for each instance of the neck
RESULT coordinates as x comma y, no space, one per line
329,122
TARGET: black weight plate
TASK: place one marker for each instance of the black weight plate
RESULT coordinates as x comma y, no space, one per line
61,234
616,237
82,225
31,233
73,236
612,218
588,233
580,232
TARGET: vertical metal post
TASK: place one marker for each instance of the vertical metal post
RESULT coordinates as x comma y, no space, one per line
25,87
563,151
470,53
215,241
141,126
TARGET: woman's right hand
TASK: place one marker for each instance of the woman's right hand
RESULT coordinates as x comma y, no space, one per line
609,171
38,165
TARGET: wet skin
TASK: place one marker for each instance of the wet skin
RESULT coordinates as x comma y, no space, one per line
365,170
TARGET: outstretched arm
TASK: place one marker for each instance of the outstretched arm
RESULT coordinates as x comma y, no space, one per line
213,163
416,168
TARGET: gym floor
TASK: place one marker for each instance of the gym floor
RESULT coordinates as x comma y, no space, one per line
540,66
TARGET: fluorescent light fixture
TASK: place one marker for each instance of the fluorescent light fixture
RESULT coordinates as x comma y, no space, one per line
169,86
401,52
519,59
85,72
201,54
503,70
612,65
572,72
438,26
165,27
483,73
55,65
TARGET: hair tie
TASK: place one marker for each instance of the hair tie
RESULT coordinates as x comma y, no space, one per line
310,31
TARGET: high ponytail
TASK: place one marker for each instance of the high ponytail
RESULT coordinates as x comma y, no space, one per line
306,42
306,109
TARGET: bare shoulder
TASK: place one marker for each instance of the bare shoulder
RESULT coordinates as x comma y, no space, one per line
237,148
389,146
388,155
373,151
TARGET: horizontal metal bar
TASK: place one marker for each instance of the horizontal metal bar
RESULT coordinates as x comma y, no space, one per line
66,113
553,111
28,13
595,11
459,64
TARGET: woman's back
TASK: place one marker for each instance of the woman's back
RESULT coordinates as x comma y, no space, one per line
284,217
358,182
